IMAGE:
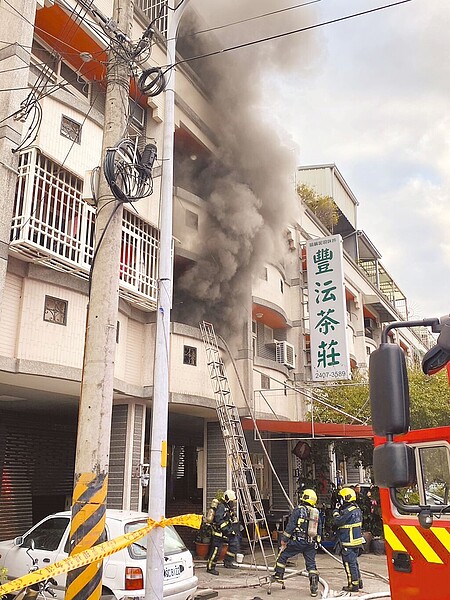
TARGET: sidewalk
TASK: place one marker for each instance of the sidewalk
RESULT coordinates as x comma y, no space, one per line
243,584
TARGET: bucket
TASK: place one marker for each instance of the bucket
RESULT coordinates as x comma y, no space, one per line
239,558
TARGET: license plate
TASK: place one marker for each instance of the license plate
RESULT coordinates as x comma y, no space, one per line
171,571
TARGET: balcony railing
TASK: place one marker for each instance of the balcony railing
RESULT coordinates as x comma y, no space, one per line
381,279
53,225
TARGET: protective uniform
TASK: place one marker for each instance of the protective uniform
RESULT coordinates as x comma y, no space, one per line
295,540
348,520
225,529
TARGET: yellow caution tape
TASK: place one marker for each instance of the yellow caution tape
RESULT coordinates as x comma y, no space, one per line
81,559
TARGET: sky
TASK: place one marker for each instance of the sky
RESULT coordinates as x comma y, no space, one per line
372,95
376,103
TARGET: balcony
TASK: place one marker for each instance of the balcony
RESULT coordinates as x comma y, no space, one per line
54,226
381,279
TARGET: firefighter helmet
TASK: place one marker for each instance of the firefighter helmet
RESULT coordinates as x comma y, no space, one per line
229,496
309,497
347,494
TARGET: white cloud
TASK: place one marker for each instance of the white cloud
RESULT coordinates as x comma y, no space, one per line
378,107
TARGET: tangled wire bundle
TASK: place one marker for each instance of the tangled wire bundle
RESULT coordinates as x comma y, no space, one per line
128,173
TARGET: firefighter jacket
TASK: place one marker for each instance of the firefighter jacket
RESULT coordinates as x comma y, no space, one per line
223,521
348,520
297,525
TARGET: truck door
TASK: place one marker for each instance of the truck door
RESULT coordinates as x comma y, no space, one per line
418,544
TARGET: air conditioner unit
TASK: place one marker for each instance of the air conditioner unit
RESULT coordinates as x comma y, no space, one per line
285,354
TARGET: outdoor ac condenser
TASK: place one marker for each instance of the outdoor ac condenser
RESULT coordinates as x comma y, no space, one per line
285,354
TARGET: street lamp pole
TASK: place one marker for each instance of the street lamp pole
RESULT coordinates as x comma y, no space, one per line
158,442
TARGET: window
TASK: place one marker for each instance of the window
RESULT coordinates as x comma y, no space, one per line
117,332
136,124
191,219
281,286
55,310
265,382
433,470
74,78
70,129
47,535
435,474
190,356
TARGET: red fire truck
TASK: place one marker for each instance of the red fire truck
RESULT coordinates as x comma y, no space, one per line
412,469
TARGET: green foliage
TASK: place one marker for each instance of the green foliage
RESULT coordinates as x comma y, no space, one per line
429,398
322,206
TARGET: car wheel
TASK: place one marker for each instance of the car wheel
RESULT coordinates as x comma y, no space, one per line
107,594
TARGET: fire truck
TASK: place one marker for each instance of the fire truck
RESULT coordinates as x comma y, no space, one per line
412,469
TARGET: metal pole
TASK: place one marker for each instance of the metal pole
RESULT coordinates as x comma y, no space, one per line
95,409
158,443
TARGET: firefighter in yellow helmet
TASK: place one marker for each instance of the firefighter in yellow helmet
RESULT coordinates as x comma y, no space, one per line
301,535
225,529
347,517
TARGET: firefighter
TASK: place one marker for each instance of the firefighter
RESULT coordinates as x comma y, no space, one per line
347,518
301,535
225,528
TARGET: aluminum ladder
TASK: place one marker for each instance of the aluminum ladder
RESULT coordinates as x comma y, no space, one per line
250,503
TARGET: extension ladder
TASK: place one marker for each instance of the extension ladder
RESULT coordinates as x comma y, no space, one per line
250,503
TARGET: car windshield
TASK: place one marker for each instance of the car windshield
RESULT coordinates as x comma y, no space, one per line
172,541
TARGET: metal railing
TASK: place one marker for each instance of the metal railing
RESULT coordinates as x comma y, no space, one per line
55,226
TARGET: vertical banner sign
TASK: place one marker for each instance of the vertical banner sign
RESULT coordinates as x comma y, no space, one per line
330,359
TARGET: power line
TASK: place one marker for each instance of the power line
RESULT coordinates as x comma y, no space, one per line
287,33
268,14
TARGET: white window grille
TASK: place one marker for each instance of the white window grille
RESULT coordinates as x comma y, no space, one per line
156,11
53,225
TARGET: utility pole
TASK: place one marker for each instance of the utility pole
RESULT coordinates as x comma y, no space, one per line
95,409
158,443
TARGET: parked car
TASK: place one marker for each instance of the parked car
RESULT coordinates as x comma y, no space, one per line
123,572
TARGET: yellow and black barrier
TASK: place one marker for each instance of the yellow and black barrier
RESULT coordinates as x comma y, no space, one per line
96,553
87,530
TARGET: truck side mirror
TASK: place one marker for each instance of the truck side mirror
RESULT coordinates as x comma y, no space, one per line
394,465
389,390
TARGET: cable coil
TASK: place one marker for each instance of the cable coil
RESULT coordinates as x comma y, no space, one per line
128,173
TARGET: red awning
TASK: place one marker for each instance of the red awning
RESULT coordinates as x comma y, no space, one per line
305,428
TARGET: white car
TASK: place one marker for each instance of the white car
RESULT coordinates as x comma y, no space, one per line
123,572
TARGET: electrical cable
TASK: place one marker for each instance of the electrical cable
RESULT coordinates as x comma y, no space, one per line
256,17
285,34
128,173
97,247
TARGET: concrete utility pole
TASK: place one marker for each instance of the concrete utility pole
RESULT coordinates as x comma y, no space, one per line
95,411
158,444
16,23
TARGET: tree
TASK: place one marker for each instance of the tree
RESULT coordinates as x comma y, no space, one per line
323,207
429,406
429,398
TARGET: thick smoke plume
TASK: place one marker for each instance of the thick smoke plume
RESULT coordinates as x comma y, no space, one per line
248,185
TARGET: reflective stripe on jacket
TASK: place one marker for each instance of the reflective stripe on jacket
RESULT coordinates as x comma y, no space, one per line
349,522
297,525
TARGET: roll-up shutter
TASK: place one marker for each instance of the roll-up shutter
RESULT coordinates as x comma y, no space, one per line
216,458
279,456
37,457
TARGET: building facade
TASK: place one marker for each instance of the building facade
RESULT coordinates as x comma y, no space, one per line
53,75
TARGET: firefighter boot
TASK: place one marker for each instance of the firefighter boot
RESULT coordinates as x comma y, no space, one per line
313,585
277,576
212,571
228,564
351,588
361,584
